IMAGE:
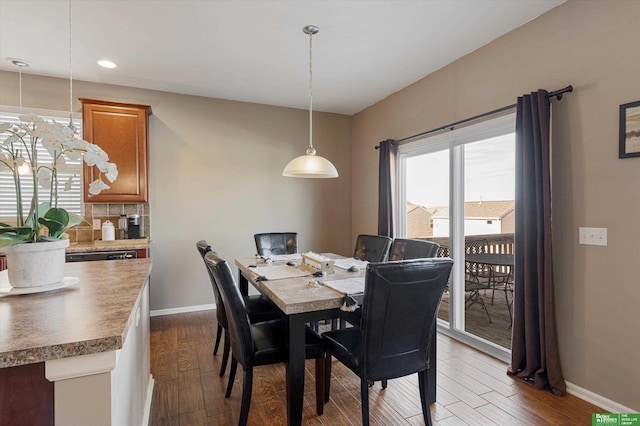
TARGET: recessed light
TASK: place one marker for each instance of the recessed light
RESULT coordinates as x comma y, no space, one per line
106,64
20,63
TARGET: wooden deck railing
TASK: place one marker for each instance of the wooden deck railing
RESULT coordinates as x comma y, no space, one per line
496,243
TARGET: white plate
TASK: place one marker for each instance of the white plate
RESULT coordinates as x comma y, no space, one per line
14,291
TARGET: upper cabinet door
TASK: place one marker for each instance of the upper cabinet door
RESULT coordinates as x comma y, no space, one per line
122,131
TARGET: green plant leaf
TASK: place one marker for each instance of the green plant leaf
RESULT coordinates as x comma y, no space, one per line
43,208
74,220
19,230
58,214
56,220
14,235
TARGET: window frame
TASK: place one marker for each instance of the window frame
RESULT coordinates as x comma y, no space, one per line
453,140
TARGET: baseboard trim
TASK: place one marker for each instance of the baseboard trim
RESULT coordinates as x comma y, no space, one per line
183,310
599,400
147,404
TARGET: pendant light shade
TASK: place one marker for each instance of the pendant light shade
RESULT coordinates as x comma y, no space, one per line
310,165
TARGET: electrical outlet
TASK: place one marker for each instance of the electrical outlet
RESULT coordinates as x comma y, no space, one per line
593,236
96,224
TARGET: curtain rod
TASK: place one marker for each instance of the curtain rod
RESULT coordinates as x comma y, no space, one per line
557,94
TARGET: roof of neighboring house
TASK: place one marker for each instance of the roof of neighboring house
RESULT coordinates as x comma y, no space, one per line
482,209
431,210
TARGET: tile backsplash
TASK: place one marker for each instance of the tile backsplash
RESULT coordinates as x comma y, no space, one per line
85,233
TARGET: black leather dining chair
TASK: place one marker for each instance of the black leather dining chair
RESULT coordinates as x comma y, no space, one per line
399,314
262,343
372,248
276,243
258,308
404,249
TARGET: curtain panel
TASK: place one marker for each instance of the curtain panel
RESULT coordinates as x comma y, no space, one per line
386,187
534,353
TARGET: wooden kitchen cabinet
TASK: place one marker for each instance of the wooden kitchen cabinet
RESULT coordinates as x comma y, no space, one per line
122,131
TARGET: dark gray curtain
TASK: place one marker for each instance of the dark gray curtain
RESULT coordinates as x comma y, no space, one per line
386,187
534,352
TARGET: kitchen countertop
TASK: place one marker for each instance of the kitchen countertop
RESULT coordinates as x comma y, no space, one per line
91,316
99,245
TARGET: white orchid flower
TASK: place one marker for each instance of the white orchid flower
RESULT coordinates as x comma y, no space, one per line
95,155
74,148
76,142
110,170
32,118
68,183
73,155
44,178
97,186
61,164
11,139
53,139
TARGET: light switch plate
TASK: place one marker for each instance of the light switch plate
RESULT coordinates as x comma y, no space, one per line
593,236
96,224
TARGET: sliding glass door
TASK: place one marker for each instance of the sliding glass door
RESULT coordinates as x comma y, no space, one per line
457,189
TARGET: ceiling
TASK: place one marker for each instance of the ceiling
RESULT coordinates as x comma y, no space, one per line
255,51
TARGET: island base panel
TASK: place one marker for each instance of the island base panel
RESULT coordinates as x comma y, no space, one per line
26,396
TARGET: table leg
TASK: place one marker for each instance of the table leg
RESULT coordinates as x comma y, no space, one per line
243,283
295,369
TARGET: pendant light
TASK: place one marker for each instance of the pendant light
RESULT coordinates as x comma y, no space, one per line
310,165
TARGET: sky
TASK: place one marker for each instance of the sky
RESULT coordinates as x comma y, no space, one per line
489,173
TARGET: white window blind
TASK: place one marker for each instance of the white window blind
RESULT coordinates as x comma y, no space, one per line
70,199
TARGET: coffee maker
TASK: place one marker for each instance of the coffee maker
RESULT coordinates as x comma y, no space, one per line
133,226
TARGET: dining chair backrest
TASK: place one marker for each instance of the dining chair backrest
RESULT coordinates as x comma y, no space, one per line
276,243
399,315
372,248
203,247
242,345
221,315
405,249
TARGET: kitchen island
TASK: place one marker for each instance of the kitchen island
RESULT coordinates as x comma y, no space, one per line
89,342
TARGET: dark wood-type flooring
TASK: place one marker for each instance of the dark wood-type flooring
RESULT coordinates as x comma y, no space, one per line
473,388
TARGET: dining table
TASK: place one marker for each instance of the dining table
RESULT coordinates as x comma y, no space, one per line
304,303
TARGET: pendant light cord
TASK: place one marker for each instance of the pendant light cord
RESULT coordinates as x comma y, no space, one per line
70,74
20,87
310,91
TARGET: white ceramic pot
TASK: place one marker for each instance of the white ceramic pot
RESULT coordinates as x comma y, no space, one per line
36,264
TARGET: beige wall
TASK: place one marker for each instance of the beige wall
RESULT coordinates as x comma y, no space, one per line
216,174
592,45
